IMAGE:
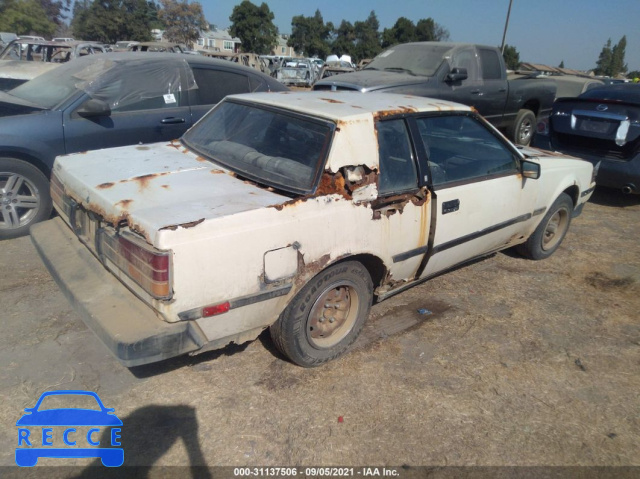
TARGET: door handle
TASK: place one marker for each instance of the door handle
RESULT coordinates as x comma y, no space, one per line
450,206
502,90
172,120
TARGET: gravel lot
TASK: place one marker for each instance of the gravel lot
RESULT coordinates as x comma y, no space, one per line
521,363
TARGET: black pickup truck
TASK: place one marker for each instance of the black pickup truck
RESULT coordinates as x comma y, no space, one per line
465,73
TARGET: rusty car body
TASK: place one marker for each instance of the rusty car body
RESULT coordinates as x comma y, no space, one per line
291,211
22,60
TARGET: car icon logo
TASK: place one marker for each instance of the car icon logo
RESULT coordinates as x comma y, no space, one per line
602,107
69,432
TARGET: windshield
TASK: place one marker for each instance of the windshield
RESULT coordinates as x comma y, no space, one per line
277,149
413,58
55,86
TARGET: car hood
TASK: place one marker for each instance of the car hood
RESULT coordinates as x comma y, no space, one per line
371,80
156,187
11,106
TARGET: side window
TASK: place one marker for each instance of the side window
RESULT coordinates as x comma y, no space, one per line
214,85
397,168
461,148
466,58
491,68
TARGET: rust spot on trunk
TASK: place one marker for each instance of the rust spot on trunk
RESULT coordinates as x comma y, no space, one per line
104,186
166,187
124,203
200,158
183,225
175,143
331,100
216,172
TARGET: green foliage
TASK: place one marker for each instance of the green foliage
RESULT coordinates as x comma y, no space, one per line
310,35
345,36
55,10
561,64
367,38
109,21
511,57
183,20
633,74
611,60
404,31
254,26
25,17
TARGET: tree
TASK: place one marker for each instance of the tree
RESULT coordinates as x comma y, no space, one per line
55,10
603,65
25,17
310,35
561,64
403,31
617,58
254,26
427,30
111,20
511,57
344,40
633,74
183,20
367,37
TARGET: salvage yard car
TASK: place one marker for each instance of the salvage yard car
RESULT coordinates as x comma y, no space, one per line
102,101
291,211
602,126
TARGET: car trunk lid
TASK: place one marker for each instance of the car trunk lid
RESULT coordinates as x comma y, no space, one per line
154,187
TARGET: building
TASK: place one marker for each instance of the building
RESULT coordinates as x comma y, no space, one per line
218,40
281,49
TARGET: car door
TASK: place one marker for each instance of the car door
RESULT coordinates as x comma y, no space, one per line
402,210
148,103
482,203
213,84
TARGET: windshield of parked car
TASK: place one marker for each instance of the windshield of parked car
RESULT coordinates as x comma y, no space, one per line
413,58
285,151
55,86
626,93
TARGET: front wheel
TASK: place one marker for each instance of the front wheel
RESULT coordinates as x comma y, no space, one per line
24,197
326,316
551,230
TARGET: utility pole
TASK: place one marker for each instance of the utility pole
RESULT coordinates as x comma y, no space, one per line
506,25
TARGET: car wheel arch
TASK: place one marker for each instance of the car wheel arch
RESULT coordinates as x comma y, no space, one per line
27,158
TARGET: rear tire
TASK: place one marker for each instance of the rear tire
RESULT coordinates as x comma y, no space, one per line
550,232
24,197
326,316
522,130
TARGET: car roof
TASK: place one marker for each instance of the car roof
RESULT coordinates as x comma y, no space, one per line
345,105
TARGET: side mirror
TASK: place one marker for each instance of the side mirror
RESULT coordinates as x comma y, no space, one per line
94,107
530,170
456,75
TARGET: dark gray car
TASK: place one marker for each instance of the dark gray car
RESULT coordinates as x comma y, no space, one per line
102,101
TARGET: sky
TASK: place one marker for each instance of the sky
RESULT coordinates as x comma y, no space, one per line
543,31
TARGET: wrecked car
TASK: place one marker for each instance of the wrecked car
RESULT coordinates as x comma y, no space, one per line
292,211
102,101
297,73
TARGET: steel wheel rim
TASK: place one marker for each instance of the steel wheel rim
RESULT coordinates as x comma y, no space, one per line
526,128
340,302
19,200
554,231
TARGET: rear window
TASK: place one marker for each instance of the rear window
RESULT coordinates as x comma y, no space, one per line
274,148
627,93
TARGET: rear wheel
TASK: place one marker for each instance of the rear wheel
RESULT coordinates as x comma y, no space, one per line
551,230
521,131
24,197
326,316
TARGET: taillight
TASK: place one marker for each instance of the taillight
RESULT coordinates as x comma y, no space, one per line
147,266
543,126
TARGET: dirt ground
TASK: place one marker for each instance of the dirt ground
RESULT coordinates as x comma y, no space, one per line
520,363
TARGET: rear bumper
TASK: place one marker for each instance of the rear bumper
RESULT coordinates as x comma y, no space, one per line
612,173
127,326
